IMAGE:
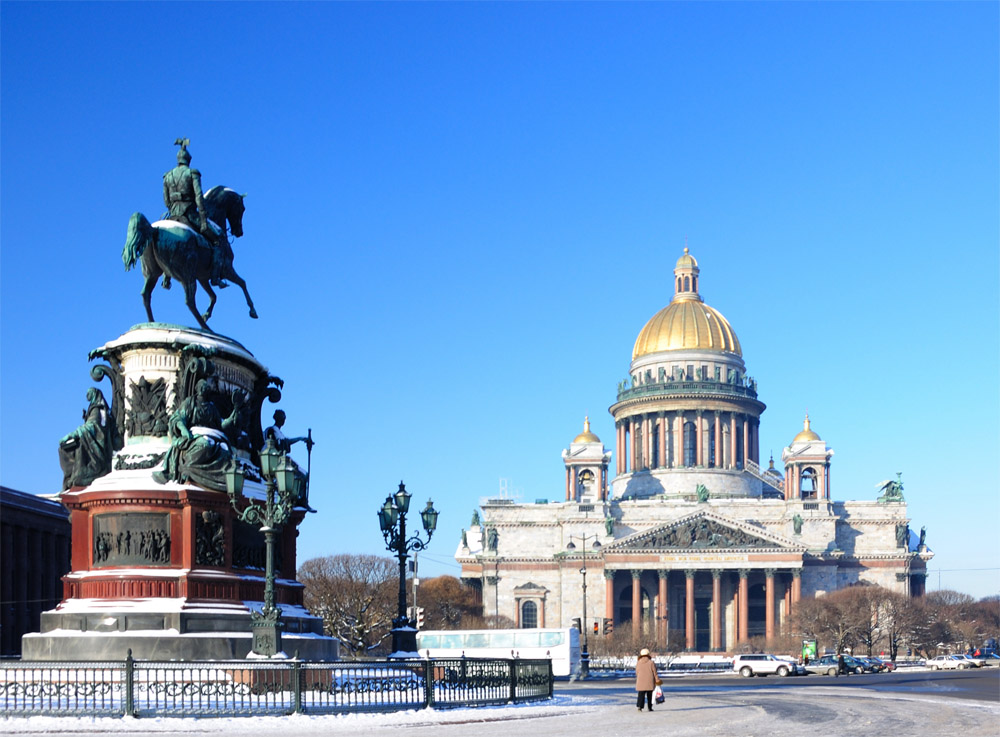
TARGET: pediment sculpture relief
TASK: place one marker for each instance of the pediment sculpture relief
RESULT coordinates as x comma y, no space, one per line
702,533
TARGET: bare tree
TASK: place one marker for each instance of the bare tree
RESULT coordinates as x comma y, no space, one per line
899,616
449,604
355,595
861,604
824,619
948,620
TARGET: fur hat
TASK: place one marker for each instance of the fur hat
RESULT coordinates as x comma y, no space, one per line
644,651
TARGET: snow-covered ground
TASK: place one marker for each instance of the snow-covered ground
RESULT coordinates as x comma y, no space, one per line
832,712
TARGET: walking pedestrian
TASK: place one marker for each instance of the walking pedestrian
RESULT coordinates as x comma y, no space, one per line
646,679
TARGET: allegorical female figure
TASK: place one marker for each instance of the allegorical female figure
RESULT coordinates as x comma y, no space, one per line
199,451
85,453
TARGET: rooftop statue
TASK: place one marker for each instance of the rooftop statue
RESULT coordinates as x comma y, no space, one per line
191,244
891,491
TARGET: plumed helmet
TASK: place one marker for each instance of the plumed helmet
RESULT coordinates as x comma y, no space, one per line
183,157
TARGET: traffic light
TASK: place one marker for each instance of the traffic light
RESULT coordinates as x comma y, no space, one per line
609,626
576,623
420,617
597,630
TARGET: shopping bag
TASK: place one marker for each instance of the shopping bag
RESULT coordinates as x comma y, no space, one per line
658,695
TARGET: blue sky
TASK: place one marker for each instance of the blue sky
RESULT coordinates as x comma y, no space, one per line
460,216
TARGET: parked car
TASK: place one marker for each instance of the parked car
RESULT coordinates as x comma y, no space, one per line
829,664
887,665
824,666
872,665
948,662
974,661
762,664
854,665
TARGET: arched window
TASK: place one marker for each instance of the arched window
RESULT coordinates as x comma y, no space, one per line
687,283
807,483
694,283
529,615
680,284
690,449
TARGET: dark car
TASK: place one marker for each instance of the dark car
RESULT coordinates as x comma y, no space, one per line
887,666
853,665
871,664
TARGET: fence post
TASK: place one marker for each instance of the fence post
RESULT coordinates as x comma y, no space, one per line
129,683
551,679
513,680
428,684
296,685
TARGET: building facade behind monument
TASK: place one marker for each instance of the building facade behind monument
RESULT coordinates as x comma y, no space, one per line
35,541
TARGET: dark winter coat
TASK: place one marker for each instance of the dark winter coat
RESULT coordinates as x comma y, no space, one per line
645,674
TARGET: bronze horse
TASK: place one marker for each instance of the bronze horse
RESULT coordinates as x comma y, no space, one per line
184,255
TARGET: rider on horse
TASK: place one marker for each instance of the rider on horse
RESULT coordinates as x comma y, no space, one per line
183,198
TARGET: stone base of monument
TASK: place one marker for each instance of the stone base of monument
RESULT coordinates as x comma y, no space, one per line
163,563
86,631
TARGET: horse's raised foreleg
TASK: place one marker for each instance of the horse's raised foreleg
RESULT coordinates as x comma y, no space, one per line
211,297
189,287
231,275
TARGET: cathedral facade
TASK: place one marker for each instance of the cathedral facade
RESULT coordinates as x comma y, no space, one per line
690,541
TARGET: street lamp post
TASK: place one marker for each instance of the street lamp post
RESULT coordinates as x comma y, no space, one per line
585,654
282,493
392,521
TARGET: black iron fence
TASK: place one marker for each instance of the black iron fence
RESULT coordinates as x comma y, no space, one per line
254,688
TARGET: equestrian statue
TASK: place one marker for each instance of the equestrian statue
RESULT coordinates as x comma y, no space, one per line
191,242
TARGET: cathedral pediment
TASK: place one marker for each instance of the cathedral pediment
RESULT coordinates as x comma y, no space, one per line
702,531
530,588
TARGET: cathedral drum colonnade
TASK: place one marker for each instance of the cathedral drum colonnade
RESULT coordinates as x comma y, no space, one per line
700,549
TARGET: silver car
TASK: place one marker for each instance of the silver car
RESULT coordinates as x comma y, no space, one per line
948,662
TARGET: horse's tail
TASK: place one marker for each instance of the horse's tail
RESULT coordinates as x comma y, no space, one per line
139,233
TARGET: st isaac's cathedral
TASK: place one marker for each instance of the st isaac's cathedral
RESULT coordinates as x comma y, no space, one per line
690,539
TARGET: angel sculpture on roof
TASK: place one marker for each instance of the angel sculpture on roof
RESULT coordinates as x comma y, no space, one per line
891,491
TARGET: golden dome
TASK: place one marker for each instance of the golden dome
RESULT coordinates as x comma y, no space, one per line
807,434
687,324
687,261
586,436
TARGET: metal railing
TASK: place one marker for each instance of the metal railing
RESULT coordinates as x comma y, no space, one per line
754,470
698,386
258,688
